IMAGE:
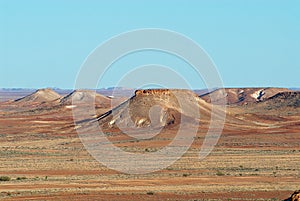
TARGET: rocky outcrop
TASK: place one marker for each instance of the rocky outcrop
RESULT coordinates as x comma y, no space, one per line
154,108
294,197
161,92
284,99
286,95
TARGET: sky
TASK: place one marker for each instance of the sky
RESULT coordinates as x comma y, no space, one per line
252,43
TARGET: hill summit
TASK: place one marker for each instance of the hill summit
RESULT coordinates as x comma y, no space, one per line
40,96
85,97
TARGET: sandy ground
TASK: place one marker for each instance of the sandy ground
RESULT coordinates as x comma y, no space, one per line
256,158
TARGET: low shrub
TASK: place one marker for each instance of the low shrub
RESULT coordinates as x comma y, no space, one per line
4,178
21,178
220,173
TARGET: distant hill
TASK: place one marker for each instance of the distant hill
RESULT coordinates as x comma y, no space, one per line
85,96
116,92
283,99
241,96
40,96
13,94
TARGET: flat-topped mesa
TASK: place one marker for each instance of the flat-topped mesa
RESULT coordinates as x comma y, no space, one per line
159,92
156,108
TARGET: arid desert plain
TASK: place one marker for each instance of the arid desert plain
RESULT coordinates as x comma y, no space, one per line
257,156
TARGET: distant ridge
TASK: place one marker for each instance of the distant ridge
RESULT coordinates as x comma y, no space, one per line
295,89
241,96
40,96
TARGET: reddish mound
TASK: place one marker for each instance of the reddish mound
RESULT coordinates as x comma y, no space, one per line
86,97
240,96
40,96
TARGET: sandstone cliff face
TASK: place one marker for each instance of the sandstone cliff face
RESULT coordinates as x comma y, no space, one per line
162,92
147,92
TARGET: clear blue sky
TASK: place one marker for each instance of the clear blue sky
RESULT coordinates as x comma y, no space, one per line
252,42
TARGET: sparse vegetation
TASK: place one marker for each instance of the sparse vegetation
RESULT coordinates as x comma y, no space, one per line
5,178
21,178
219,173
51,145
